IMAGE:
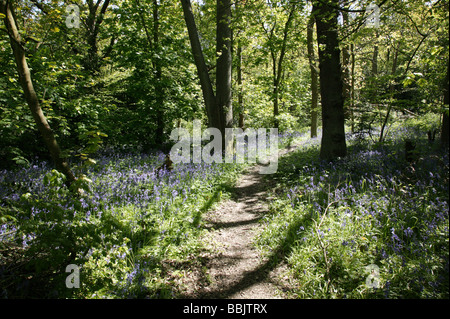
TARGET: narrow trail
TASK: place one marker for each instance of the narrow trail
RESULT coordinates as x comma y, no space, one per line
236,270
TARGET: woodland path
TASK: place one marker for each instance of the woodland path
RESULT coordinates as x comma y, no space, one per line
235,269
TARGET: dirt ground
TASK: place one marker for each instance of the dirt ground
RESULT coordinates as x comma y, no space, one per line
235,269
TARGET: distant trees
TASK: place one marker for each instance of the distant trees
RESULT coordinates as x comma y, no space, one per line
134,69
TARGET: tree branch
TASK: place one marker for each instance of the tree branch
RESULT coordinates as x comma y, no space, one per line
323,2
40,6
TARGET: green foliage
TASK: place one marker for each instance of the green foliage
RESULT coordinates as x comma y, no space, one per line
121,229
144,83
287,122
330,221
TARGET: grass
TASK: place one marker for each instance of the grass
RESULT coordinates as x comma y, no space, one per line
129,224
367,226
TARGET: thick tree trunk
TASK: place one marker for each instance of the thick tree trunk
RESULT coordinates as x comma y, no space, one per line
30,94
224,63
333,143
314,75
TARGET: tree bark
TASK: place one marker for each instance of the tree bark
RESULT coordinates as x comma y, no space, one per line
202,70
391,93
445,124
159,89
240,90
346,81
278,66
333,143
224,63
352,87
93,22
375,60
30,94
314,75
154,47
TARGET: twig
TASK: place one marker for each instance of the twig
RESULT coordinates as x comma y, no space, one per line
324,250
7,233
326,210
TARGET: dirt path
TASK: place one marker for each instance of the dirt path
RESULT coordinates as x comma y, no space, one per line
236,270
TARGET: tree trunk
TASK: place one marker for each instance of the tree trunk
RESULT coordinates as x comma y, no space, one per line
202,70
275,85
224,64
159,89
240,90
445,124
314,75
278,66
375,60
30,94
352,87
391,93
153,46
333,143
346,81
93,22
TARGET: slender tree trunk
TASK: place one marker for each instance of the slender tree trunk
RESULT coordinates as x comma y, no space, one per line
202,70
239,82
333,143
395,58
314,75
374,72
30,94
159,89
352,87
216,105
391,93
346,81
275,85
445,124
93,22
375,60
153,46
224,64
278,66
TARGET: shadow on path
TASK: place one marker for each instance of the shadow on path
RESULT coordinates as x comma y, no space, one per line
238,270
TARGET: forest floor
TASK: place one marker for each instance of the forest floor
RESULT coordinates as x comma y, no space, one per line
232,267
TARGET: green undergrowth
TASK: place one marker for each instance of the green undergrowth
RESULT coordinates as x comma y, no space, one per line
371,225
122,233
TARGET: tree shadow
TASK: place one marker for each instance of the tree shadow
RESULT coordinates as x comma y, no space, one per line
257,192
215,197
262,272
